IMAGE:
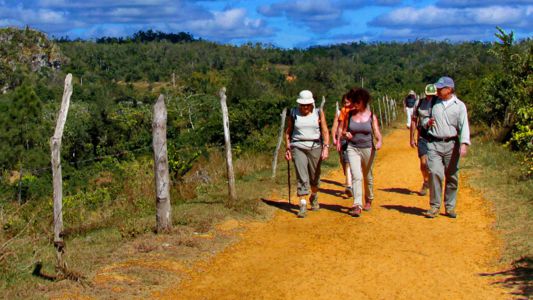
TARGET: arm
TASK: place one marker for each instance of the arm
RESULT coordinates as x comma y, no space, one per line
288,132
464,131
325,135
412,140
377,133
412,129
335,137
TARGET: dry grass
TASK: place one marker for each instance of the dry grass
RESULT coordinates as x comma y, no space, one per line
497,173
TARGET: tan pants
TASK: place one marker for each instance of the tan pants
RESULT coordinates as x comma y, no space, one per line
361,162
307,165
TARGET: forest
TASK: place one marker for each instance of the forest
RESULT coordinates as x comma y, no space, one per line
107,140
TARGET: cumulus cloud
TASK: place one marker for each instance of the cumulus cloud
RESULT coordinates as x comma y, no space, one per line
432,16
229,24
95,18
318,15
473,3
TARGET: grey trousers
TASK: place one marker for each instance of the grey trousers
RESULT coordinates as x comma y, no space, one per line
307,165
443,164
361,162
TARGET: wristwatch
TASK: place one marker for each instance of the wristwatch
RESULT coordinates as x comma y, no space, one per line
325,146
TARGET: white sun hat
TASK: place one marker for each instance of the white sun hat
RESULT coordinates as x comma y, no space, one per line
305,97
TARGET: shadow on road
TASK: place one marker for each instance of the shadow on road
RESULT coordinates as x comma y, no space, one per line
399,191
332,182
282,204
333,192
406,209
519,278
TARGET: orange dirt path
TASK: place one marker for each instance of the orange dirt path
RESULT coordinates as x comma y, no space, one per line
392,252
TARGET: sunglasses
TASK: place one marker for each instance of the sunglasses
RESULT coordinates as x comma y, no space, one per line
306,105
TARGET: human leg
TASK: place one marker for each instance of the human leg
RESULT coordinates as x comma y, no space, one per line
368,155
436,175
299,157
354,157
451,161
409,114
314,164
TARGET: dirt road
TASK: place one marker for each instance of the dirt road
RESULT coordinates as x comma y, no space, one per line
392,252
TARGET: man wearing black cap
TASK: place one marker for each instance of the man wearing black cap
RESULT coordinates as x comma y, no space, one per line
449,138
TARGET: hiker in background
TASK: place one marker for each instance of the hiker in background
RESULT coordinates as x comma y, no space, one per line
448,140
408,104
307,143
422,110
360,128
343,157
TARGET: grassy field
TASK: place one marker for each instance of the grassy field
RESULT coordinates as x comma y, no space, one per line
501,176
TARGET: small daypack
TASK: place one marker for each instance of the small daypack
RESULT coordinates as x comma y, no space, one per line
293,113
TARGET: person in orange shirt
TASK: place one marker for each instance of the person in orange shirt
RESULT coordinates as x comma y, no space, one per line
343,158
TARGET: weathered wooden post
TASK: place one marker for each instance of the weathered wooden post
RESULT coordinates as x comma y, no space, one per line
380,116
173,79
162,181
57,181
227,140
280,138
387,111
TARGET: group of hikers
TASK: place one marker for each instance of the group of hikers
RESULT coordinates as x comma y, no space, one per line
438,124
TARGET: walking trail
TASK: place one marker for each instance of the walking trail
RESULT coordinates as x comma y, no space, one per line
391,252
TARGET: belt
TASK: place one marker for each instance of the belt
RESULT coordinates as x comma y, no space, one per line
445,139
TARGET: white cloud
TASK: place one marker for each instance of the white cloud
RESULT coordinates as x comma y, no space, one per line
228,24
433,16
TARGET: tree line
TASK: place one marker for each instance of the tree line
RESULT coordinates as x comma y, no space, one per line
117,81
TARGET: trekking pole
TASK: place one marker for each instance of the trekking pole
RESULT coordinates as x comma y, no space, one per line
289,180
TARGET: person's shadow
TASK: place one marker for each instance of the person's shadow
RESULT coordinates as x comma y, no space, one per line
403,191
332,182
412,210
282,204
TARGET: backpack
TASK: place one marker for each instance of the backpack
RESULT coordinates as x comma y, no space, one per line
410,102
349,119
293,113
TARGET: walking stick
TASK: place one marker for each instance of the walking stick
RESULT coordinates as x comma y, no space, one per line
289,180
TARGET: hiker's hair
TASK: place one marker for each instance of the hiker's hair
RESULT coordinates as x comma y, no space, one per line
358,94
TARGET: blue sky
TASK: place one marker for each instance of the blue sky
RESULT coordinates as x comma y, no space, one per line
283,23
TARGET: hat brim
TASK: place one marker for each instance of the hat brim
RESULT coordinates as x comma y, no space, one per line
305,101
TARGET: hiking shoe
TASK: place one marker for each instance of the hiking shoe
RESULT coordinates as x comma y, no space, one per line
424,189
303,209
432,213
368,205
348,191
451,213
355,211
314,202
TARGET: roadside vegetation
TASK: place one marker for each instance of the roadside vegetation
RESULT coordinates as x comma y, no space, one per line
106,152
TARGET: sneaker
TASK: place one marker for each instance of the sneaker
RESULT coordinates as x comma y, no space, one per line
355,211
432,213
451,213
424,189
303,209
368,205
348,191
314,202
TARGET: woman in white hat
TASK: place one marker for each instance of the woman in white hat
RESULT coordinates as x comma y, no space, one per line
307,143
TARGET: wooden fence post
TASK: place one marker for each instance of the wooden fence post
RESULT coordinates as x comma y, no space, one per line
57,181
380,117
280,138
227,140
162,181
